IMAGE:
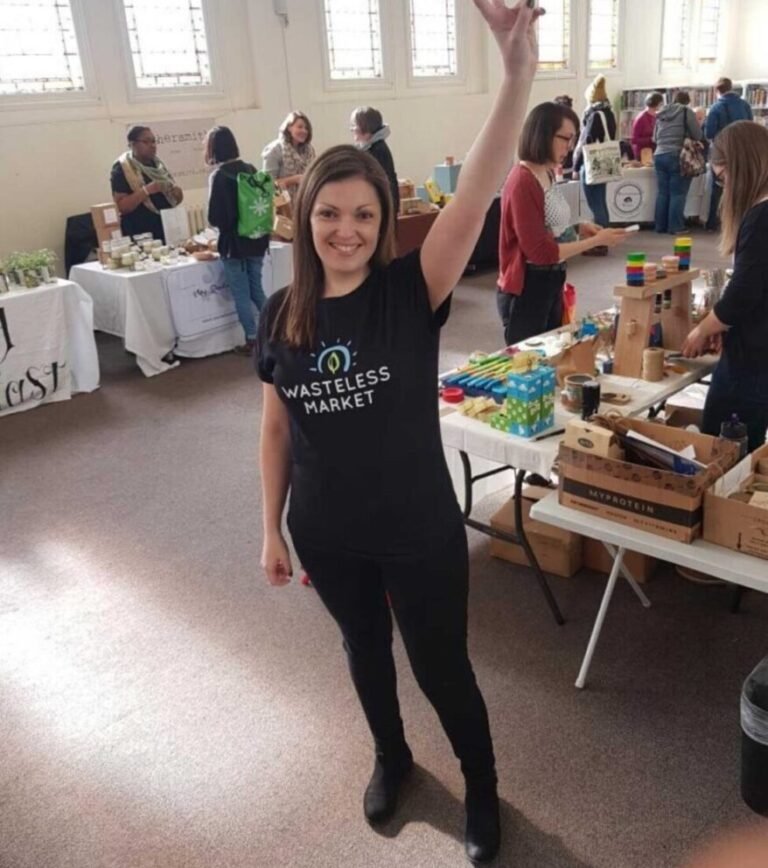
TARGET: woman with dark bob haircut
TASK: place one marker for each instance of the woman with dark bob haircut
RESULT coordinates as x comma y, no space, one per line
348,356
537,233
241,257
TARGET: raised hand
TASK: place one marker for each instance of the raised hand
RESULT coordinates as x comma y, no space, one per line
514,32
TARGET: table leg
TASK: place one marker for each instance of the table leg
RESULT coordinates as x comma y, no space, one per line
612,579
630,578
520,536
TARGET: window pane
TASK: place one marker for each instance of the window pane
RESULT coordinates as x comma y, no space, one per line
169,47
354,38
38,48
603,34
676,27
433,37
555,35
709,31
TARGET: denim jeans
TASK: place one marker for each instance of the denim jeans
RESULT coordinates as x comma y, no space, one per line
244,279
742,390
713,219
671,194
596,200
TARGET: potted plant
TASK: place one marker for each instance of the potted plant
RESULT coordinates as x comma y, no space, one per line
43,263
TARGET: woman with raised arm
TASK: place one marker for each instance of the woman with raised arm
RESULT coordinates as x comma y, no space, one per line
348,355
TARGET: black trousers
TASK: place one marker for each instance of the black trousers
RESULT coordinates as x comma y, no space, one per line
741,390
538,308
428,595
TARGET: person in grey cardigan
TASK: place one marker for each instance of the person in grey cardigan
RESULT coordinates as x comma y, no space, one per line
674,123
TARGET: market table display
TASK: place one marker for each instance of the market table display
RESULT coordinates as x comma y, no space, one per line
736,567
502,451
47,349
185,309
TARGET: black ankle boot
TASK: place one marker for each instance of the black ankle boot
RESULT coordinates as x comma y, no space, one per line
380,799
483,835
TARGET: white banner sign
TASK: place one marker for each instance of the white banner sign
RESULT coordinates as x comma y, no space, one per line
180,147
200,299
33,350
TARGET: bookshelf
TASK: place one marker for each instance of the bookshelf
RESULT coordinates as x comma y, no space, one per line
633,101
756,94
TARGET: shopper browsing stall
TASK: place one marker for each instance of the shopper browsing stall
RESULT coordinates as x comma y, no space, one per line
594,130
739,160
674,124
534,215
644,124
348,355
142,186
242,257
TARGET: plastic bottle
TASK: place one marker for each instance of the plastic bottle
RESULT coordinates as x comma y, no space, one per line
736,431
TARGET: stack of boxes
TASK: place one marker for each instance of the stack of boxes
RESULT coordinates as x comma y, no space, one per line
529,405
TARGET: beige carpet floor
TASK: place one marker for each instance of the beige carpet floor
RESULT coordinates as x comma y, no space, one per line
161,706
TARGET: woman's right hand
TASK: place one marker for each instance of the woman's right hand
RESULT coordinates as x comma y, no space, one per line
609,237
276,560
153,187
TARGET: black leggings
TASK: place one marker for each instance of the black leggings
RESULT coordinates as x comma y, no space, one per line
428,595
538,308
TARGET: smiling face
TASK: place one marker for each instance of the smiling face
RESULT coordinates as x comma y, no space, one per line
563,141
299,131
345,221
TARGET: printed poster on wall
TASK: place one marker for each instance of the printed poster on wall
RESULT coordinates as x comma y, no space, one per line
180,147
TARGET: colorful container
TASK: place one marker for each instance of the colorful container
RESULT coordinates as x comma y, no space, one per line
635,269
683,252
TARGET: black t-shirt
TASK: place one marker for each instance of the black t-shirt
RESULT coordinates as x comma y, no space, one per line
368,470
141,219
744,304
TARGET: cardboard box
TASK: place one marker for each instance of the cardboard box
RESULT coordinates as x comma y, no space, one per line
406,187
106,222
732,524
557,551
283,227
646,498
686,407
596,558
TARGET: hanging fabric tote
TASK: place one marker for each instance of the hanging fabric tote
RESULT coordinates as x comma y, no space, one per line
692,160
602,160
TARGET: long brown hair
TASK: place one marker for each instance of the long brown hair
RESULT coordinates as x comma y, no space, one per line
295,322
742,147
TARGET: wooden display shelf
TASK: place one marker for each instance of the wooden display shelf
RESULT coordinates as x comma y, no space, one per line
651,289
637,316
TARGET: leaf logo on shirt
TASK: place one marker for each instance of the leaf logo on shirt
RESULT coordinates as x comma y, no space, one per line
334,359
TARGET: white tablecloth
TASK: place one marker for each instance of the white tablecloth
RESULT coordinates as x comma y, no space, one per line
184,308
47,350
632,199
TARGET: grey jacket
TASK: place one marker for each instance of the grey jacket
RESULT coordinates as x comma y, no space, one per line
673,124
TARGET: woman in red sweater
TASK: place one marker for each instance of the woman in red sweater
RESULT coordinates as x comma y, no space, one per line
537,234
643,124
